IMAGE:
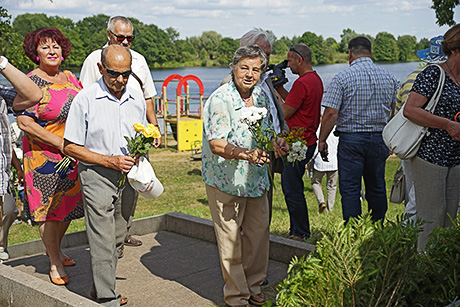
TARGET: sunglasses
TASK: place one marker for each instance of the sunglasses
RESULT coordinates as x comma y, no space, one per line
296,51
121,38
116,74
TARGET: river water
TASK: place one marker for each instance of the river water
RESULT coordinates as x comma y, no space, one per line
212,76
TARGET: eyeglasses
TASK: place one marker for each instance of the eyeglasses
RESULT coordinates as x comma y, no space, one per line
296,51
121,38
116,74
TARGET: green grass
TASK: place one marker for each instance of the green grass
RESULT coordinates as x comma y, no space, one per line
185,192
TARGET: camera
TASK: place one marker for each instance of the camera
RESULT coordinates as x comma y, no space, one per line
277,74
323,154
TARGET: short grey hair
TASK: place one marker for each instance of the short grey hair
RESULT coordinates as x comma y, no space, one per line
113,20
254,36
251,51
105,50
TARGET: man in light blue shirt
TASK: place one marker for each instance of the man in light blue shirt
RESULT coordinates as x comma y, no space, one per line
99,118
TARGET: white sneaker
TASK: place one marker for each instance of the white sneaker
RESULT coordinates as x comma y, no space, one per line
3,254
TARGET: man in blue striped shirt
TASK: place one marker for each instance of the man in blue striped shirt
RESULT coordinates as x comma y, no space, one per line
360,100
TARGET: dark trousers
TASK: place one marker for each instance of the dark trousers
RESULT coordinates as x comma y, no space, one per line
362,155
293,189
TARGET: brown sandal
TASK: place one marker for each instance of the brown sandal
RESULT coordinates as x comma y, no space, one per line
258,299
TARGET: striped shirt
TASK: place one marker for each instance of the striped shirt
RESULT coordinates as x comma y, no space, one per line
5,137
363,93
406,86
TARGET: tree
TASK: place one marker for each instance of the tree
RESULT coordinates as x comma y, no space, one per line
281,46
226,49
346,36
385,47
153,43
93,32
11,42
444,10
210,41
185,50
406,45
26,23
311,40
173,34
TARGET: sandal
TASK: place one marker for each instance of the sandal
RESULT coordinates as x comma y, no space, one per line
257,300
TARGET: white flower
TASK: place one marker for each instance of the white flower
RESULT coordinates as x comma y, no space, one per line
252,115
297,152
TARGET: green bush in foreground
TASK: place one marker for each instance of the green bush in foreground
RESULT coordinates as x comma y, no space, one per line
364,264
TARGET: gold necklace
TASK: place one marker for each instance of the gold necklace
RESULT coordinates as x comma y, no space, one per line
456,81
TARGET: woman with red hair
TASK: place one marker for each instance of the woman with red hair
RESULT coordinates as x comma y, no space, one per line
54,197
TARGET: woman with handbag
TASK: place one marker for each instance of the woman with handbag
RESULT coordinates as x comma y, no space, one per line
436,167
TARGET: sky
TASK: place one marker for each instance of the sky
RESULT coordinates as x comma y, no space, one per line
232,18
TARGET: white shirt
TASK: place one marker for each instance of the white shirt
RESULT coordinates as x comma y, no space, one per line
90,73
332,142
99,121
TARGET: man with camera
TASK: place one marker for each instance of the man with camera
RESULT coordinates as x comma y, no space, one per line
302,108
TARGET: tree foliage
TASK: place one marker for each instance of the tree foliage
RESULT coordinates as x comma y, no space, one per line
385,47
406,45
444,10
162,47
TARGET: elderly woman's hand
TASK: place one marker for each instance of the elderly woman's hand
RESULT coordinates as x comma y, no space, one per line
257,156
453,128
281,147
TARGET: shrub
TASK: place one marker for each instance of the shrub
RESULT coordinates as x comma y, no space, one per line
359,264
440,268
364,264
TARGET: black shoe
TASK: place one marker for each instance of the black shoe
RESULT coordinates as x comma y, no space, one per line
265,282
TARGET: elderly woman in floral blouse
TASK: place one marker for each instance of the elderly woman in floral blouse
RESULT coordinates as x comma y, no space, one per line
236,184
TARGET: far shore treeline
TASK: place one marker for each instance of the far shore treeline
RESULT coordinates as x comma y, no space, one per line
163,48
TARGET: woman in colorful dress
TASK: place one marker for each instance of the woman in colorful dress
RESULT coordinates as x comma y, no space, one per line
54,197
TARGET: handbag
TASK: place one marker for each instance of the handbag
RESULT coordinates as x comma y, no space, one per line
404,137
398,187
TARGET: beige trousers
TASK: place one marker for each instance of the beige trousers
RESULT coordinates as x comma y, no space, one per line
331,187
242,233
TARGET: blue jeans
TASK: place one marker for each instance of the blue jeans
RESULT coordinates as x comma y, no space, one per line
362,155
292,184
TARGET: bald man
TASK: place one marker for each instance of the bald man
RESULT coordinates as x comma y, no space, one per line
100,115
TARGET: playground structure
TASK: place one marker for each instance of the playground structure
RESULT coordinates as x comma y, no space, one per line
186,123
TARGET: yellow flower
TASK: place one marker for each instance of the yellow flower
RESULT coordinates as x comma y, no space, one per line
151,131
138,127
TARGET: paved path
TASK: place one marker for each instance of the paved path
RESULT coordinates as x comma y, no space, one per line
167,270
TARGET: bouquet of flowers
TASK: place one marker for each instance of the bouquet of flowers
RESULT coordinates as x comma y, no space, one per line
252,117
298,146
140,143
64,166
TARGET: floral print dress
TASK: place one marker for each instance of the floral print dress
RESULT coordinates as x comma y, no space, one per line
51,196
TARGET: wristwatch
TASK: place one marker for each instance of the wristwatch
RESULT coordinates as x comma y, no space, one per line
3,63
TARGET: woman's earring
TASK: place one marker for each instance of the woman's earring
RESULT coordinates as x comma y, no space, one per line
38,59
62,58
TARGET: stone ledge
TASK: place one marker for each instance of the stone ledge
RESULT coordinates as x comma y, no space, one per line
20,289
